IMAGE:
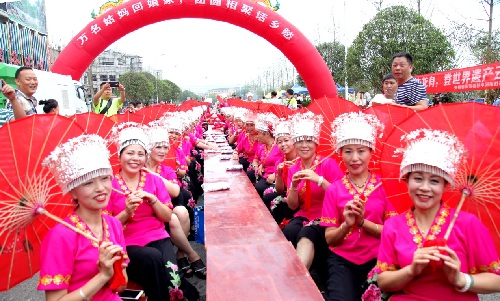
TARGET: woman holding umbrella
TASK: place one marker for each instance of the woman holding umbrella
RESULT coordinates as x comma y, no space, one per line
416,259
308,178
141,202
354,208
81,167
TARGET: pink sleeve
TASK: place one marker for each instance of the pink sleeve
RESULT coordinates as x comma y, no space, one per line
331,171
161,191
387,258
330,216
193,139
481,253
57,267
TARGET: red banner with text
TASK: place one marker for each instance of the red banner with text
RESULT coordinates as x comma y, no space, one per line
482,77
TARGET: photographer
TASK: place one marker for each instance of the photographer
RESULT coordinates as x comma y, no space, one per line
104,104
17,110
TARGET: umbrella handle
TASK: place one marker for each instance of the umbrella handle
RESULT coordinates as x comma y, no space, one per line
154,173
59,220
465,194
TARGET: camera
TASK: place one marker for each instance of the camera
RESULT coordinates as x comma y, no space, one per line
114,84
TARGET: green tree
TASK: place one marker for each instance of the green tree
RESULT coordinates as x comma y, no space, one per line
176,92
334,55
480,48
138,86
392,30
186,93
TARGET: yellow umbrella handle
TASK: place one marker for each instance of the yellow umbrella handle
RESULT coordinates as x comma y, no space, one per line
59,220
465,194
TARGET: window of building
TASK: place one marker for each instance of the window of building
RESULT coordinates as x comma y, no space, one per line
94,77
112,78
104,78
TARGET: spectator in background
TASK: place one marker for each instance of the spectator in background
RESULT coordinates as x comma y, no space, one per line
104,104
274,98
436,99
389,88
411,92
249,98
290,101
17,110
50,106
496,103
27,84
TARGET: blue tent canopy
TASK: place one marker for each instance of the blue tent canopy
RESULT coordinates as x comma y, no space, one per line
299,89
341,89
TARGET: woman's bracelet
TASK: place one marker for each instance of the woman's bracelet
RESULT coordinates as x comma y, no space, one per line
469,282
84,298
292,188
320,181
362,223
153,201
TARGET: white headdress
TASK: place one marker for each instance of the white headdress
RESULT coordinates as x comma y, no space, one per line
158,134
128,133
282,128
249,117
79,160
176,123
239,113
306,126
265,122
356,128
437,152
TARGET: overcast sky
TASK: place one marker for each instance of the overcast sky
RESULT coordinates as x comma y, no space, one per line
202,54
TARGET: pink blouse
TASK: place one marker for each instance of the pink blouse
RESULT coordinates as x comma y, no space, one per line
325,167
181,158
247,148
167,173
470,239
145,226
268,159
68,259
358,246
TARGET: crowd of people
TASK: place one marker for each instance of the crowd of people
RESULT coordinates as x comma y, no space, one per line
344,229
138,214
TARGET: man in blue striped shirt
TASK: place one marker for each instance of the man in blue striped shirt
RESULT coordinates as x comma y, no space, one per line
411,92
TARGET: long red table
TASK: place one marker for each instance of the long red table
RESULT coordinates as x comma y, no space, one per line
248,258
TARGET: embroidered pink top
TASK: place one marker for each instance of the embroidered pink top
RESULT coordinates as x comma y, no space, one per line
248,148
469,239
199,132
68,259
268,158
168,173
144,227
358,247
325,167
186,146
181,158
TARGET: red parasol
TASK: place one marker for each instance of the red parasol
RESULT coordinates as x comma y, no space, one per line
329,108
157,111
28,192
93,123
189,104
476,126
391,116
253,106
131,117
281,111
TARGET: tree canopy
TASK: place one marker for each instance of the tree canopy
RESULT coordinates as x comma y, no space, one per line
393,30
334,55
145,87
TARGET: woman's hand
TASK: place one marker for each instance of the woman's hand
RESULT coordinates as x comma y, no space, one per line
421,259
270,179
260,170
108,255
308,174
349,215
358,209
132,202
451,266
279,168
146,195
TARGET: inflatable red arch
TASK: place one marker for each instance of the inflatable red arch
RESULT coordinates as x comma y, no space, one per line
134,14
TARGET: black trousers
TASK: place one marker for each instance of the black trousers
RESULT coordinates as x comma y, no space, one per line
148,268
244,162
346,279
261,186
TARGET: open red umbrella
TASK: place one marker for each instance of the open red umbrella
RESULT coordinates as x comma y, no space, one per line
251,105
281,111
28,191
329,108
477,127
157,111
93,123
131,117
391,116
